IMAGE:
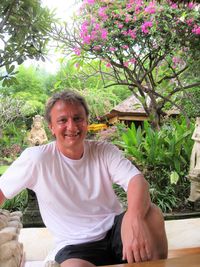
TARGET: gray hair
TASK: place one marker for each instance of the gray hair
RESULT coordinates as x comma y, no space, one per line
68,96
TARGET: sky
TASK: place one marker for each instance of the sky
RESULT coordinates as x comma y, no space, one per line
63,9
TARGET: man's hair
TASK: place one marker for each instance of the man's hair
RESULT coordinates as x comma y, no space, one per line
67,96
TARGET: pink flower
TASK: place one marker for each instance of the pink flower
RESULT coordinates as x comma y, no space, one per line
104,34
86,39
196,30
125,33
125,46
191,5
174,6
108,65
111,49
132,60
120,26
145,26
97,47
127,18
102,13
189,22
150,9
126,64
97,26
90,2
77,51
77,65
132,33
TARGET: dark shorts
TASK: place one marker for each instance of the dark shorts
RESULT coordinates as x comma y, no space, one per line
103,252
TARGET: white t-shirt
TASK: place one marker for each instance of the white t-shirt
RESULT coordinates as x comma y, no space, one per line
76,198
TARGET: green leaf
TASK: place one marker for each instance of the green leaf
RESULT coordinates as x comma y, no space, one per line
174,177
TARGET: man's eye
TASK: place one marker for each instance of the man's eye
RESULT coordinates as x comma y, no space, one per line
78,119
61,121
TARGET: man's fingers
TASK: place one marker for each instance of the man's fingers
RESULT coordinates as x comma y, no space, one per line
129,255
143,254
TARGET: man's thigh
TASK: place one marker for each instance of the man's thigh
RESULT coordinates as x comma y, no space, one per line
94,252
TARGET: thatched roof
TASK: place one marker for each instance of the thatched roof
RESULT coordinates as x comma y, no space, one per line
131,106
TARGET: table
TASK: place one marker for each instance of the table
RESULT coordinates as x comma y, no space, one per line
185,261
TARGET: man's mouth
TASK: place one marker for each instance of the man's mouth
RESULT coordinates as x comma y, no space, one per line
72,134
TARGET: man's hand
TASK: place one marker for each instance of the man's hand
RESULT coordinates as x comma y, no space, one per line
135,239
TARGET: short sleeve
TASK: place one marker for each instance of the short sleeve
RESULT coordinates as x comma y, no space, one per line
120,168
18,176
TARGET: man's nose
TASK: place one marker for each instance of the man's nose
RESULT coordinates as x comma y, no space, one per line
71,124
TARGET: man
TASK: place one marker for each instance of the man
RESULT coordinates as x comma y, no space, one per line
72,178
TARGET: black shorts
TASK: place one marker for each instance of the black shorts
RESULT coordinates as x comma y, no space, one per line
107,251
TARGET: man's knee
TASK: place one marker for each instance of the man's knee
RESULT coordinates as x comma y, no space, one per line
156,224
76,263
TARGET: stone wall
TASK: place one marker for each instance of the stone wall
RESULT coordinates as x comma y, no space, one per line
11,250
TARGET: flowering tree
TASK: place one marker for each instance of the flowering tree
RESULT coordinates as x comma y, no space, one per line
145,45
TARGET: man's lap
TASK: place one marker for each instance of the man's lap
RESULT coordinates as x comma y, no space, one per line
103,252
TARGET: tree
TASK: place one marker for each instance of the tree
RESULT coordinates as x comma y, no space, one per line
24,29
145,46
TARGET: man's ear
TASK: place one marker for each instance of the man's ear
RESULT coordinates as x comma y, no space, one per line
51,129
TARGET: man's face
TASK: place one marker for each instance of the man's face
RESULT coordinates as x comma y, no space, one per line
69,125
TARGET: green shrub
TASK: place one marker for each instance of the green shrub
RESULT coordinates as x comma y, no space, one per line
163,156
19,202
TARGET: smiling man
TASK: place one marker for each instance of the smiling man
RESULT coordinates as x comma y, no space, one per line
72,178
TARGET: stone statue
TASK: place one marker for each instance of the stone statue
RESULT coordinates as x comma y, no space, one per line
37,135
194,172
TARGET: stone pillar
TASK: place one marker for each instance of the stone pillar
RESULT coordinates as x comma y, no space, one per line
194,172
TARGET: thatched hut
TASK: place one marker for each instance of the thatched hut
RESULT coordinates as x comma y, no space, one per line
131,110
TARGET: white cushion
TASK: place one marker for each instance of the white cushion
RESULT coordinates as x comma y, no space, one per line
38,242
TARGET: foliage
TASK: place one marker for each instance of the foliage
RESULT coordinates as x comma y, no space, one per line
24,30
100,99
10,110
191,102
145,45
3,168
19,202
170,147
30,89
161,156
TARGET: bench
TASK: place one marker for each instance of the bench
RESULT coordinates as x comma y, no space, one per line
183,238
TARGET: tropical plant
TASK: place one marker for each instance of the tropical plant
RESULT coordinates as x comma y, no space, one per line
171,146
19,202
145,45
163,157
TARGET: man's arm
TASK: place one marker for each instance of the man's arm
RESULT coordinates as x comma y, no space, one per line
2,197
135,235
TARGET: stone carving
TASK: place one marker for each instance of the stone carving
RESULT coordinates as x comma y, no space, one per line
194,172
37,135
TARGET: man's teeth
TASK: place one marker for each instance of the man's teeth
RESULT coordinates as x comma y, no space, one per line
71,135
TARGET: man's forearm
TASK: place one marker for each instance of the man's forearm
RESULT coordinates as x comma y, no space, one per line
138,196
2,197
